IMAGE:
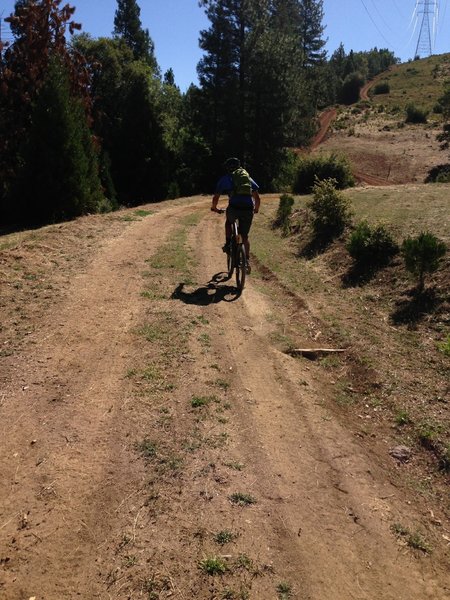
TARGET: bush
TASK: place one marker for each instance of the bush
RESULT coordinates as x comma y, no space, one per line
351,87
382,88
331,210
414,114
439,174
422,255
173,191
284,180
284,212
371,246
319,168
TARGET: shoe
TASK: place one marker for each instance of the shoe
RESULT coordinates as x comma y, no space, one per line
249,268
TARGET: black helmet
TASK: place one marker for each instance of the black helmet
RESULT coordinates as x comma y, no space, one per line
231,164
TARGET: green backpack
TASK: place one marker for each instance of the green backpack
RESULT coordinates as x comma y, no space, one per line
242,184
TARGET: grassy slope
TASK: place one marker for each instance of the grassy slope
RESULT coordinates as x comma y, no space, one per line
418,82
399,372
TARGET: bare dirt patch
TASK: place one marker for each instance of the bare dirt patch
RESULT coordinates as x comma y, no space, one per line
383,147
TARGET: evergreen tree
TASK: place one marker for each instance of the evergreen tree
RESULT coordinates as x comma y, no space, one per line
59,178
127,25
40,30
128,119
138,152
311,32
252,100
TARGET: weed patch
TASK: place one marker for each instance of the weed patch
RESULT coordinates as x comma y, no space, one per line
213,565
242,499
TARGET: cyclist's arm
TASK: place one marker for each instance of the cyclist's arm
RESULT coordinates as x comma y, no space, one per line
257,200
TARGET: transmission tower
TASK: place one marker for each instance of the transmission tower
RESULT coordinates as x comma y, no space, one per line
429,9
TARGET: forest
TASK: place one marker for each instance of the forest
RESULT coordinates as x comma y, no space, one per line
90,124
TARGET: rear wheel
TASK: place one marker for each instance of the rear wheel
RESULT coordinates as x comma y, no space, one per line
241,267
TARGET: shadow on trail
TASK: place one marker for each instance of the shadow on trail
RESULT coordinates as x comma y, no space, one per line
211,293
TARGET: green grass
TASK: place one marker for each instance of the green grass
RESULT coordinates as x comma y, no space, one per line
284,590
143,213
147,448
402,418
242,499
236,466
413,539
214,565
444,347
174,258
224,537
199,401
415,83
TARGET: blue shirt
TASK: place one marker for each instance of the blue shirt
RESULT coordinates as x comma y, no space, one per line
225,186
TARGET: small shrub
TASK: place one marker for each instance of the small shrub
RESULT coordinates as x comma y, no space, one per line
242,499
382,88
402,418
285,177
284,590
214,565
224,537
331,210
284,212
422,255
349,93
313,168
414,114
147,448
439,174
199,401
371,246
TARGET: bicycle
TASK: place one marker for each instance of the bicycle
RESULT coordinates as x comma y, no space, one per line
236,255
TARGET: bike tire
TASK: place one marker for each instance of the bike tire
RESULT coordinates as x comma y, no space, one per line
230,261
241,267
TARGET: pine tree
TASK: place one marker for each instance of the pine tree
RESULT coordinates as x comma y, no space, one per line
253,100
127,25
59,178
40,30
311,32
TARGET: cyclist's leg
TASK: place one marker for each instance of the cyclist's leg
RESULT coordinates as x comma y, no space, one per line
245,223
228,221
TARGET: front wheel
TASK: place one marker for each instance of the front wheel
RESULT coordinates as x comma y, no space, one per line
241,267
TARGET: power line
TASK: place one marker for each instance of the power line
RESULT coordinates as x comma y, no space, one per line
374,23
381,16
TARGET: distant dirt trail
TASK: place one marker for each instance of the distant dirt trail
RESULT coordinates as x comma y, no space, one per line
325,120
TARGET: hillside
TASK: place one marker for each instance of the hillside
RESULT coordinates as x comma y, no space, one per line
374,135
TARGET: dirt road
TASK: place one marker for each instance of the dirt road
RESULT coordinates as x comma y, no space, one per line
155,444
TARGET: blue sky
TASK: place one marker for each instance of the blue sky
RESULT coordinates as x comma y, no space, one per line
174,26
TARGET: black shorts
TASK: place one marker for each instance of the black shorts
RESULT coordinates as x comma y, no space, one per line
245,217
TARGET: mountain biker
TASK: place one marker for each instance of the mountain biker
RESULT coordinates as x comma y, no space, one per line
244,201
